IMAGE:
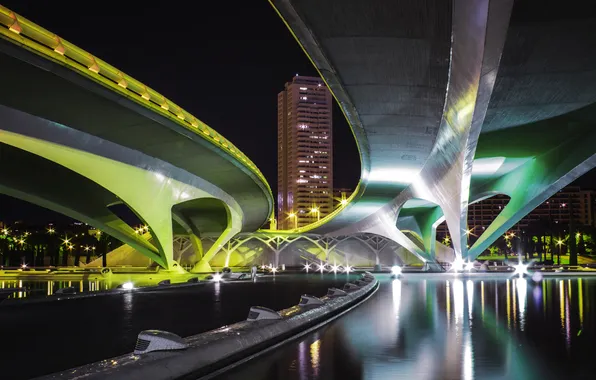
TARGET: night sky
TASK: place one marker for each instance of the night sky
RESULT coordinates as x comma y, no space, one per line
222,61
225,64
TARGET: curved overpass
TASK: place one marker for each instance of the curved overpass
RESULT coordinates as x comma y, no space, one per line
451,102
80,136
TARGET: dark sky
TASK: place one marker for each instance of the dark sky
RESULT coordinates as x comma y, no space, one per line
223,61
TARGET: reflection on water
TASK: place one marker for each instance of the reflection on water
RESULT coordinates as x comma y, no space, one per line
416,328
48,288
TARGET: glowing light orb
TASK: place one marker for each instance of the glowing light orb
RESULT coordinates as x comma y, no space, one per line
348,269
334,268
128,286
321,267
520,269
457,265
217,277
469,266
396,270
306,267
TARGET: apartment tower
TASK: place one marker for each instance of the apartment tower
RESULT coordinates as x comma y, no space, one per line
304,152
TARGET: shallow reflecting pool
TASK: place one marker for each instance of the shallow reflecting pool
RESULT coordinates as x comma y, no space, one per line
45,337
450,328
40,288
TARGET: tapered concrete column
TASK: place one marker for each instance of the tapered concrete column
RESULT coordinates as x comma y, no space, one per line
233,228
149,194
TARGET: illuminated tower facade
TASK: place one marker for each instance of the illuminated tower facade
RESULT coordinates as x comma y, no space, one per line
304,152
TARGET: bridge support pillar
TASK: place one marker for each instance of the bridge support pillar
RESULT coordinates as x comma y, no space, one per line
150,195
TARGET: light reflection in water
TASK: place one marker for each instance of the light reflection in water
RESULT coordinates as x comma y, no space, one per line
302,360
468,365
522,293
45,288
470,290
482,298
315,356
458,301
448,303
562,303
403,332
580,292
508,306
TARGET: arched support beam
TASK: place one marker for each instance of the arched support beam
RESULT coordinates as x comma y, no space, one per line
234,226
534,182
193,234
147,193
423,222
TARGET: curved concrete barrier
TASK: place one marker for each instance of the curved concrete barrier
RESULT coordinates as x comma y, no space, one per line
216,349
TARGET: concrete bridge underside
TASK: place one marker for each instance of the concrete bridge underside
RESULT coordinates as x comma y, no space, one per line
77,144
452,102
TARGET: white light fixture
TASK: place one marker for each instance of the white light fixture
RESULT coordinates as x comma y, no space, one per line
457,264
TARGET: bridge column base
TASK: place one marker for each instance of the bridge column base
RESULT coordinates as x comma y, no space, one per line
433,267
201,267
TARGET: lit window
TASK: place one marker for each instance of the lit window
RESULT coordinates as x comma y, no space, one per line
303,88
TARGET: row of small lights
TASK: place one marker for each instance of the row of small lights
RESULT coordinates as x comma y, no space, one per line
66,241
322,267
459,265
123,83
315,210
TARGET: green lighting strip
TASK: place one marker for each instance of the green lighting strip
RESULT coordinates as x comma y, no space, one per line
23,32
318,223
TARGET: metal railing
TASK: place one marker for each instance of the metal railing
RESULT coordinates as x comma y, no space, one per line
23,32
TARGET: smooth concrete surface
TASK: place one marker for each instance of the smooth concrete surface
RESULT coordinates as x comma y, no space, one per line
217,348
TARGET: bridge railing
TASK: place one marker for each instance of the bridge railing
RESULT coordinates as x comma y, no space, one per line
47,44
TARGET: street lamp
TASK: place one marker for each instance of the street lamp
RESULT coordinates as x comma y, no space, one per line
560,244
315,210
293,215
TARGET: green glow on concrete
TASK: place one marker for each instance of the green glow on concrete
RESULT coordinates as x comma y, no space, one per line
144,192
427,219
48,45
532,183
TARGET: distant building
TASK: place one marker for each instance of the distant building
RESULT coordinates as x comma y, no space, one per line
304,153
558,210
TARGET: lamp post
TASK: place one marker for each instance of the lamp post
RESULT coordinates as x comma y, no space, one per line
315,210
293,215
560,244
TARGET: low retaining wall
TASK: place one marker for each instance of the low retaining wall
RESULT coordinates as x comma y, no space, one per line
218,348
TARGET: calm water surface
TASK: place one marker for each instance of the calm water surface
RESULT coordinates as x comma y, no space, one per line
416,328
45,337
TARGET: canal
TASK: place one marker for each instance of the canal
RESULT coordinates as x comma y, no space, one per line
45,337
449,328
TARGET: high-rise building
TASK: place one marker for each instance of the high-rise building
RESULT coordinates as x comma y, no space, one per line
304,152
